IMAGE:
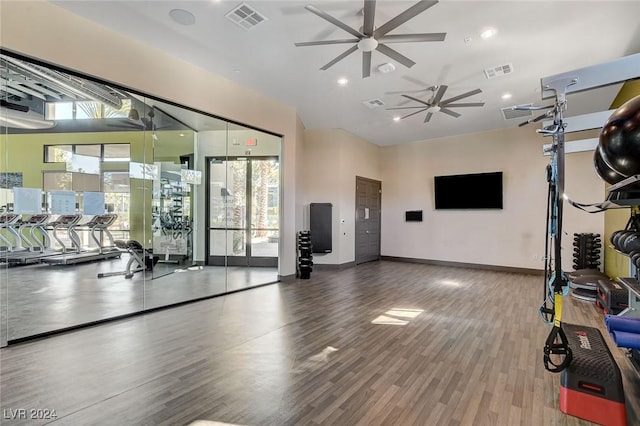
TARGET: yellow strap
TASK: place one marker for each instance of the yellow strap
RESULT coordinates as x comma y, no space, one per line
558,309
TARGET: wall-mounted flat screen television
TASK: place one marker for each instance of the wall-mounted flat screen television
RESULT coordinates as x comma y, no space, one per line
470,191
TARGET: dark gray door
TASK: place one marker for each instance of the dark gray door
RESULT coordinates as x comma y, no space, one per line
368,210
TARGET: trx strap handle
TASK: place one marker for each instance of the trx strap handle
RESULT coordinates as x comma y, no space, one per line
557,344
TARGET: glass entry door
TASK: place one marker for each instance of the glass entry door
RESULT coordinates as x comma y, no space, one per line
243,211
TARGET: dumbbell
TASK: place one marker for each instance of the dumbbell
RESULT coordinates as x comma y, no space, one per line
630,243
619,239
615,235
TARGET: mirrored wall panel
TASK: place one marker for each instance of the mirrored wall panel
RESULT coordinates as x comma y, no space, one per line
113,203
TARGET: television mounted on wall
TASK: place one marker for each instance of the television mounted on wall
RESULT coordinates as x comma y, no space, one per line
468,191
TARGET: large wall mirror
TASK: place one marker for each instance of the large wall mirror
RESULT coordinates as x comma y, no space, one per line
113,203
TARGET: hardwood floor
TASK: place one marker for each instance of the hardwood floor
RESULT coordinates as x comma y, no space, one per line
383,343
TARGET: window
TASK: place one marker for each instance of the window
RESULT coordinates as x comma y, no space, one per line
84,182
90,150
59,111
117,152
106,152
85,110
57,153
123,112
57,181
116,182
88,110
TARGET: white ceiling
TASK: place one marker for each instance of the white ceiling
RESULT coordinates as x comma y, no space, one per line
539,38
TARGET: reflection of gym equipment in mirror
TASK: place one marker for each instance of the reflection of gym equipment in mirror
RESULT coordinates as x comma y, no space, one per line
8,222
28,246
97,224
127,144
140,259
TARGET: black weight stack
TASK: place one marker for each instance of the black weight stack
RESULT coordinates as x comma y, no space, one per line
305,258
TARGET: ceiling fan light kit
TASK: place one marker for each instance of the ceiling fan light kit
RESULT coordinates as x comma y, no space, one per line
370,37
367,44
386,68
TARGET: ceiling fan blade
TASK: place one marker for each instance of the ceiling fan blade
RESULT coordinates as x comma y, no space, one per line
428,117
396,56
411,38
468,104
417,100
366,64
320,43
400,92
464,95
340,57
415,81
413,11
413,107
369,17
334,21
414,113
443,88
449,112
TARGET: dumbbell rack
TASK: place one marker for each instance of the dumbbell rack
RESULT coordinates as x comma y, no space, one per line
586,255
305,256
586,251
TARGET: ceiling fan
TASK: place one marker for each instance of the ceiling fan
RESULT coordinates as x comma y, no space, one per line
436,104
370,38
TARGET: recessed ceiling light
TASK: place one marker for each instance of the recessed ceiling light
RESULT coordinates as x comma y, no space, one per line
342,81
182,17
488,33
506,96
236,70
396,118
182,134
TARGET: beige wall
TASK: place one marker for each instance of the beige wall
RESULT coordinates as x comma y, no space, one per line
514,236
332,159
49,33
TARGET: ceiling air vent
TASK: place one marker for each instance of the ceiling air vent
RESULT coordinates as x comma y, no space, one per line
498,71
374,103
509,113
245,16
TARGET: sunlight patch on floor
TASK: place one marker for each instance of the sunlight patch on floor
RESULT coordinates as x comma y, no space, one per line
393,316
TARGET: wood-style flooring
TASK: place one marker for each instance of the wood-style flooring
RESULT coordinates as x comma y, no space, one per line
383,343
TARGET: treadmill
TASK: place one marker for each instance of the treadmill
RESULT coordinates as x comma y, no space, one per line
35,246
99,223
9,222
35,256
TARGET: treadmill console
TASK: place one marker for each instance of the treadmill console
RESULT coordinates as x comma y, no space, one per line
9,219
36,219
66,220
102,221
